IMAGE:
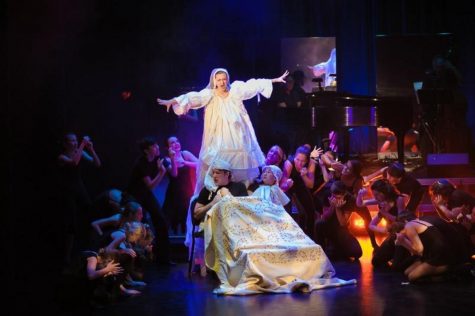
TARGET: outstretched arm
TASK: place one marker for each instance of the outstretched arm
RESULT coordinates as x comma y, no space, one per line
167,103
185,102
374,175
252,87
360,202
281,78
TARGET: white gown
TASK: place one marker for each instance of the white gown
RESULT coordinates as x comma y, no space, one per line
254,246
227,135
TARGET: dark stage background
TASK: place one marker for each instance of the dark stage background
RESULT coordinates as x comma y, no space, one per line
69,61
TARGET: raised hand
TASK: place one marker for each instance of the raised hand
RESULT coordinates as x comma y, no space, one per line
167,103
88,143
337,203
362,192
114,268
160,163
316,152
171,154
288,184
281,78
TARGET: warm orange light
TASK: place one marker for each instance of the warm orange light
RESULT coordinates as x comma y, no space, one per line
358,222
383,222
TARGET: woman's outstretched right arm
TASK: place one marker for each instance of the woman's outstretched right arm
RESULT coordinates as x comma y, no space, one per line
185,102
167,103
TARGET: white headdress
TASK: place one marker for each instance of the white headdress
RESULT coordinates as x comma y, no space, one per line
216,164
275,171
212,84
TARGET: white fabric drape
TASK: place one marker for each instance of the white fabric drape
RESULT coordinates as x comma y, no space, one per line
271,193
254,246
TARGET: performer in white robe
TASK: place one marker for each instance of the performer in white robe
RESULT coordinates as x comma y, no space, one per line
228,133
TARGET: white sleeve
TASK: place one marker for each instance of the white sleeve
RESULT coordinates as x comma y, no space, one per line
249,89
192,100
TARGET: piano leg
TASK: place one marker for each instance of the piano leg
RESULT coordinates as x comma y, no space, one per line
400,134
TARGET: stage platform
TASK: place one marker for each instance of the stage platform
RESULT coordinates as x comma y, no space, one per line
378,292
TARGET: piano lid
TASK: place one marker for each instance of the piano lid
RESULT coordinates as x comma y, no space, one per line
329,98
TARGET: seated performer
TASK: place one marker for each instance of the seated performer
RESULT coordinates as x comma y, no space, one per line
217,184
255,246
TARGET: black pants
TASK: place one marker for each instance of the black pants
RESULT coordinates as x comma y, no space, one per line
162,243
344,244
363,212
306,207
389,251
384,252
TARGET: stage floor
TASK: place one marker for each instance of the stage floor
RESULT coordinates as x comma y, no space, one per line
378,292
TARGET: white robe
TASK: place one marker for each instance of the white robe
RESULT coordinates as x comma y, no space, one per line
228,133
254,246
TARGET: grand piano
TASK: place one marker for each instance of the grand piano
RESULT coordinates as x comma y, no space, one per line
331,110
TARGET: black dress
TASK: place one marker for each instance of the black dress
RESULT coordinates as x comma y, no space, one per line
180,190
304,197
436,249
149,202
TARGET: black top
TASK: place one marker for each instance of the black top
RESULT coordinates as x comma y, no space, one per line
410,186
459,198
236,189
436,250
143,168
393,211
70,178
455,235
349,206
299,185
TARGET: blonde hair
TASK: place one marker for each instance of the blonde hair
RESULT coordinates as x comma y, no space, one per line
139,233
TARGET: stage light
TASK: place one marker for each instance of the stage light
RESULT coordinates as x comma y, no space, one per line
126,95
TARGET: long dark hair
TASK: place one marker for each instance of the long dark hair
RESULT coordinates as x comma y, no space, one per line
442,187
387,189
